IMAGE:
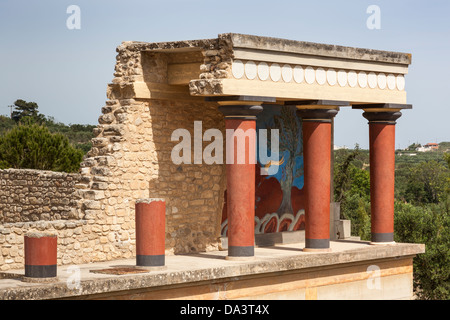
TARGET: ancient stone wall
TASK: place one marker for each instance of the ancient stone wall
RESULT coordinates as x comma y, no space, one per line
130,159
136,163
39,200
33,195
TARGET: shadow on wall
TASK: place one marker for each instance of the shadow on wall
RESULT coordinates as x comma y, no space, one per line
192,191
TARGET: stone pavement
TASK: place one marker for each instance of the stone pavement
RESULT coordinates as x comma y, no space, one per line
193,268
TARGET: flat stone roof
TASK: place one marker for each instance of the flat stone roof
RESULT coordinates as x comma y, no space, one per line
193,268
281,45
311,48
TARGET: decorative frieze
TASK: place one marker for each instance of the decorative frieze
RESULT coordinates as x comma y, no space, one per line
287,73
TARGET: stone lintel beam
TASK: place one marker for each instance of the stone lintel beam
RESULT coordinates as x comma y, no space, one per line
241,99
316,103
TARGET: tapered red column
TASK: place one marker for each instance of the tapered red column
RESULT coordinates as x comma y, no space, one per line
240,123
316,126
382,174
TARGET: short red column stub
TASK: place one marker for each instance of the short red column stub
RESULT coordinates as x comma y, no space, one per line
40,251
150,220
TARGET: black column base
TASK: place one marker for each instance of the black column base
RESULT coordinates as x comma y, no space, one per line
317,243
150,261
237,251
382,237
49,271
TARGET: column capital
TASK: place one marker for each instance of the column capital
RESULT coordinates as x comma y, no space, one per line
241,107
382,117
243,112
317,115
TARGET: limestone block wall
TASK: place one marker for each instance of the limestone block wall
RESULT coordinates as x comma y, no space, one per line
131,159
33,195
193,192
71,238
33,200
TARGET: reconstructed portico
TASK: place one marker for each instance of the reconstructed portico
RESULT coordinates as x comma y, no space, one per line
318,80
165,96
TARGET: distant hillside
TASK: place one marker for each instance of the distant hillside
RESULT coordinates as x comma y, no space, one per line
412,156
402,157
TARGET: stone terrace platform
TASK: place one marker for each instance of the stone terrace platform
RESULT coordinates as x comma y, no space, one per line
352,270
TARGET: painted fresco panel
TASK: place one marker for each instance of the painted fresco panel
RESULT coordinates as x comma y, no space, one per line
279,192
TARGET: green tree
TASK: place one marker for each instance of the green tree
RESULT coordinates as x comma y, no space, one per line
26,109
352,189
422,211
342,170
6,124
447,158
35,147
26,113
360,182
356,208
427,183
425,218
430,225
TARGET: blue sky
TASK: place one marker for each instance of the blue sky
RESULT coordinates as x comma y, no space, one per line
66,71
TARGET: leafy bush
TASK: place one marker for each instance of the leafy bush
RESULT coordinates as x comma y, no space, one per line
26,113
429,225
6,124
35,147
352,190
356,208
426,183
422,212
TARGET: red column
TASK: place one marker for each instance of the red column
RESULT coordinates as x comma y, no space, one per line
382,174
241,120
316,126
150,232
40,255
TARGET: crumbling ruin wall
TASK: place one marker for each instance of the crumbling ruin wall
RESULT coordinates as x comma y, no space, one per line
131,159
134,135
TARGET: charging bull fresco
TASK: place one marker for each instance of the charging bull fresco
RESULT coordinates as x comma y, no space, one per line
279,194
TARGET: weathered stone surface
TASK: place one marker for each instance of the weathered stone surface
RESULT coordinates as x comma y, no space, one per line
311,48
36,191
193,270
